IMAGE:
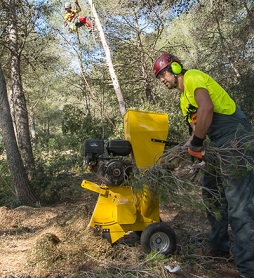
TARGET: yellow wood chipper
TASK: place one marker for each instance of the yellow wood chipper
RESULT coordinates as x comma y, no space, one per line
120,207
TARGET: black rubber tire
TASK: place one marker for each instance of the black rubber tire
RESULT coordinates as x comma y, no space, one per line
158,237
138,233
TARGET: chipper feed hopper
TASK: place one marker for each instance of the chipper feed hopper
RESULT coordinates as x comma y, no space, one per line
120,207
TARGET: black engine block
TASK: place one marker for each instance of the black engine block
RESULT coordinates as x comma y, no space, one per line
110,167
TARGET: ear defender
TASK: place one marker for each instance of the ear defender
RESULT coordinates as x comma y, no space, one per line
176,68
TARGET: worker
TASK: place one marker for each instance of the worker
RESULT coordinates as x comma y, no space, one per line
71,15
212,113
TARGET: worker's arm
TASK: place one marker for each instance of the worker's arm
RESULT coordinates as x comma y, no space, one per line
78,7
204,120
187,143
204,113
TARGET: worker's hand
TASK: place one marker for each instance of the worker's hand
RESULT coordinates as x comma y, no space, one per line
196,148
197,152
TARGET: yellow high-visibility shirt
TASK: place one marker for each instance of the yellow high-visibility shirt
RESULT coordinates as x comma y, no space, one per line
194,79
70,16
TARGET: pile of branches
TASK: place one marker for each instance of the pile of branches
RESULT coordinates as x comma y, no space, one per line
177,174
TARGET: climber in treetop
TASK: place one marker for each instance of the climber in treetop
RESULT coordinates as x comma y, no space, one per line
71,15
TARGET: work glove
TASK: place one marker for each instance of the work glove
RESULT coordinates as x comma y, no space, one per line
196,148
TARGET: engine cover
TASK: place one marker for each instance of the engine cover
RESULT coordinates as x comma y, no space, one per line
113,172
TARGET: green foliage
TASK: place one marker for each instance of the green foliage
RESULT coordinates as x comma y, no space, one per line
156,257
84,126
7,194
55,178
73,120
242,92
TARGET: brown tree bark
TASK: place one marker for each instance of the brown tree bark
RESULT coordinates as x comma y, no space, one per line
19,176
20,108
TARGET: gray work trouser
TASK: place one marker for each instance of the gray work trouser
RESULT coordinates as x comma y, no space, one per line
230,193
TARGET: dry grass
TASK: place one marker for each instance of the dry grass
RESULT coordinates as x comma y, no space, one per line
56,242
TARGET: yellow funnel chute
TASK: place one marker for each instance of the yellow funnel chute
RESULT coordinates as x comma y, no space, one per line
140,129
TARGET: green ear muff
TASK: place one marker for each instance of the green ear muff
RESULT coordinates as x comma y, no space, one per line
176,68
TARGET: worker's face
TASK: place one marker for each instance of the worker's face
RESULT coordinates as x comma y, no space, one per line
168,79
68,9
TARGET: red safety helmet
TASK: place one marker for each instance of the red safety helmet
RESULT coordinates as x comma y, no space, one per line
167,60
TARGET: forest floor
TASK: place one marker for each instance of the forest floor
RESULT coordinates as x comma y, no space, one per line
55,241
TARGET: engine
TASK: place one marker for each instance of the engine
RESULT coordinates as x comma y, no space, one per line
111,166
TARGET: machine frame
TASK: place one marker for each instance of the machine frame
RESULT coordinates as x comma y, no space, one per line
120,207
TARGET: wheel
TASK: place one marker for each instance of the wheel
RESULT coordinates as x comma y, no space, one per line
158,237
138,233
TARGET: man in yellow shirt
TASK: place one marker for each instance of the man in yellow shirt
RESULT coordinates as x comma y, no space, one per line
211,112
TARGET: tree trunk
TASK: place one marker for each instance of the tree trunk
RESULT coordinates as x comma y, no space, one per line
12,109
32,128
18,173
109,61
21,115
